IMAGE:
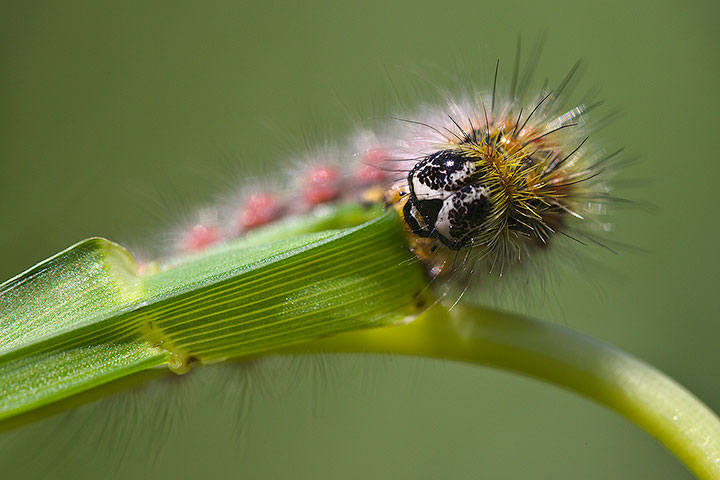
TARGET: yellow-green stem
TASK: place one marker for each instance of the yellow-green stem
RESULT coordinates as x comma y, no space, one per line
639,392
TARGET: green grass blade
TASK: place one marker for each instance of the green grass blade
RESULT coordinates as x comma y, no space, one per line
38,380
84,317
60,296
238,302
65,292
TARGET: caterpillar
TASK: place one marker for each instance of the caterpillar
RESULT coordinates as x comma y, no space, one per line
481,181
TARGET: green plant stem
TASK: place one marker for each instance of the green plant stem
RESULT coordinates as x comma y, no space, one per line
639,392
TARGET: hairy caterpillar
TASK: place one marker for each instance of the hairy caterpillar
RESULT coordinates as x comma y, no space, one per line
481,181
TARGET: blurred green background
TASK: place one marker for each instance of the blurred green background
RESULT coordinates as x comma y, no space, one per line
118,117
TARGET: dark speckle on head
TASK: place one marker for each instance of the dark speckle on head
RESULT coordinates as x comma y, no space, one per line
444,171
462,214
444,202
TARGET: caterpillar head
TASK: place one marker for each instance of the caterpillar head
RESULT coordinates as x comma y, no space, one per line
497,191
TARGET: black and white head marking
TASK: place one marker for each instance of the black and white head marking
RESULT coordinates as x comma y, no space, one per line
444,202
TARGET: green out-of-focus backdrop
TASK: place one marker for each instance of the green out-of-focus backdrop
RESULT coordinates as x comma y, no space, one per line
118,118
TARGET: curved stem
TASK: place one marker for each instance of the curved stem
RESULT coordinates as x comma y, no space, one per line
639,392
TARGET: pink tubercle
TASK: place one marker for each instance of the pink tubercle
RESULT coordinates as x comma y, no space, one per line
367,175
321,184
199,237
259,209
369,172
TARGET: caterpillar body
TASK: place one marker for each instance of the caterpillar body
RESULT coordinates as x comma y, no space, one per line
483,180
